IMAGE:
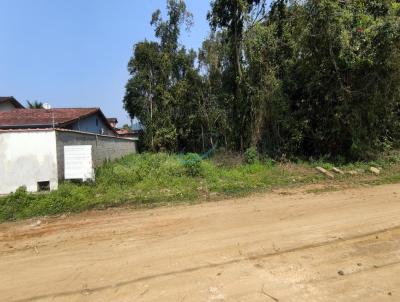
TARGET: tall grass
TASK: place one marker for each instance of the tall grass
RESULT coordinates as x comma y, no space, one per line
145,180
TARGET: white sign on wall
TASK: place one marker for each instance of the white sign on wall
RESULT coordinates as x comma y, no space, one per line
78,163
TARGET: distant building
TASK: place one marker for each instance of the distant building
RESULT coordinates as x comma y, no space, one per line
8,103
123,132
127,133
113,121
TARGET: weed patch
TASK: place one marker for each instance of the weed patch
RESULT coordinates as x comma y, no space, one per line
148,180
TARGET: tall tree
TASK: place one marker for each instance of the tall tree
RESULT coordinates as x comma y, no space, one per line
214,101
148,75
232,15
160,81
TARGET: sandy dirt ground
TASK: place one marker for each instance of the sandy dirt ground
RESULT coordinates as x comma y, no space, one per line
282,246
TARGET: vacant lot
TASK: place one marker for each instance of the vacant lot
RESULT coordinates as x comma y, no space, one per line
282,246
151,180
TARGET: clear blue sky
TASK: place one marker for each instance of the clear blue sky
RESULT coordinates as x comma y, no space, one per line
74,53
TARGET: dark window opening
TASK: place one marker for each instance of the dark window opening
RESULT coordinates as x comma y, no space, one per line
97,122
43,186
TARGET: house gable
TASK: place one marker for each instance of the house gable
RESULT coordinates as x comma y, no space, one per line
93,124
9,103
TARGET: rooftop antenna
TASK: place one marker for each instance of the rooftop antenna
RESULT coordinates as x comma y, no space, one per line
47,106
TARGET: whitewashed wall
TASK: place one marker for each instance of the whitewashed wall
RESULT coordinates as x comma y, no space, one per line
27,158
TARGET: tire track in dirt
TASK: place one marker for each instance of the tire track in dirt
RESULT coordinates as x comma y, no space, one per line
226,263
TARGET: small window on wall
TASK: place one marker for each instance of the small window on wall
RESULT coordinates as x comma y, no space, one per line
43,186
97,122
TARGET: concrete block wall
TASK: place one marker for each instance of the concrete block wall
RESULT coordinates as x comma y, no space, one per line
103,147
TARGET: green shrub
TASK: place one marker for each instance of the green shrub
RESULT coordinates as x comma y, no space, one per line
192,164
251,156
13,204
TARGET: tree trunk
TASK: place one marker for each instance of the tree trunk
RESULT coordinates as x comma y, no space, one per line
202,137
237,106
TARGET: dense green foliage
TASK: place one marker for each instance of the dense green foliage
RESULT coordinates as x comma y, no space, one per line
251,155
306,78
192,164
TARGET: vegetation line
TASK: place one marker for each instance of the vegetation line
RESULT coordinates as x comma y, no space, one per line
149,180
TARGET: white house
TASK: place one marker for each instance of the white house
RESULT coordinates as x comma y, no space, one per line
40,158
39,147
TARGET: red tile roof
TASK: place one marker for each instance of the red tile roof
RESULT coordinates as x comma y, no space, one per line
124,131
43,117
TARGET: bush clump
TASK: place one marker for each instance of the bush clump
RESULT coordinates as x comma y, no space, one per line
192,164
251,156
12,205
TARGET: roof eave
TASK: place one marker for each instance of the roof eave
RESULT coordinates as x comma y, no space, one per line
27,126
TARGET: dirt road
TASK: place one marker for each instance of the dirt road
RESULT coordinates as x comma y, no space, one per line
288,246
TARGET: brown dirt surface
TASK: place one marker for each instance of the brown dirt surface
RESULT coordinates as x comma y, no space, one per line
282,247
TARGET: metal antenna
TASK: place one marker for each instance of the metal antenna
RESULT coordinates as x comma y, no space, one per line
47,106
